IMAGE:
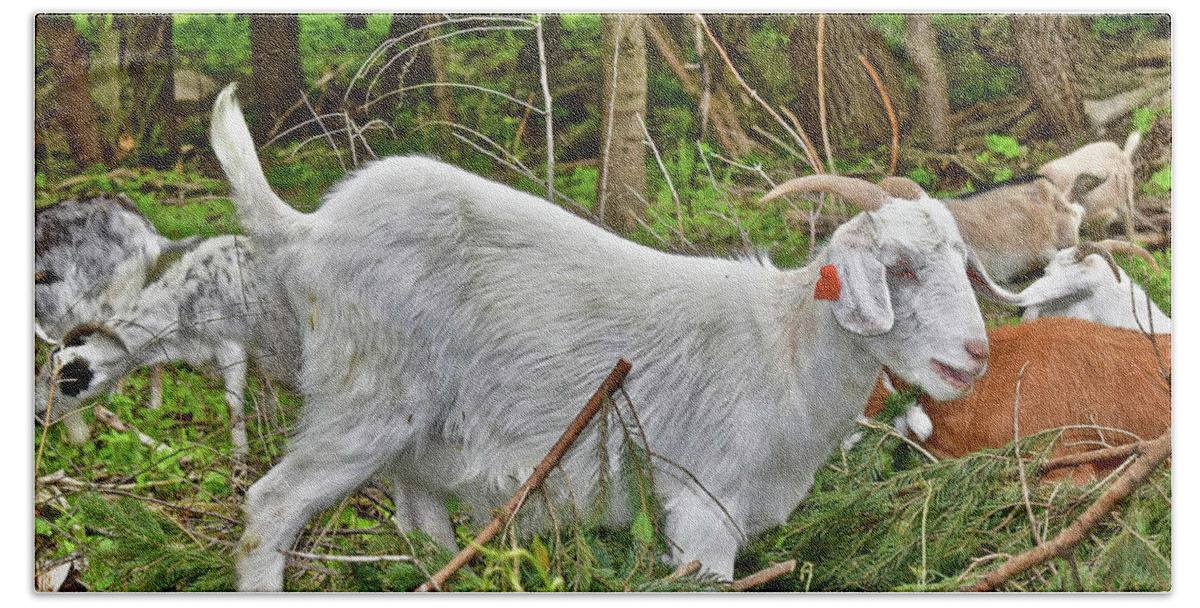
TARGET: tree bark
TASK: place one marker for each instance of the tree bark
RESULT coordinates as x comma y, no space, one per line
277,76
69,60
854,111
666,33
933,126
622,185
443,96
1048,48
147,60
414,67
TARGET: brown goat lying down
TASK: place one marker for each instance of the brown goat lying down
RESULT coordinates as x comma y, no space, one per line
1077,374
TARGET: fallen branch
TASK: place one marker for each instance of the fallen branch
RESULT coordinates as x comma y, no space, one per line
1153,454
1074,460
764,575
687,569
606,390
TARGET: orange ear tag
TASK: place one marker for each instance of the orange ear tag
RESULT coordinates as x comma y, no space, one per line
828,286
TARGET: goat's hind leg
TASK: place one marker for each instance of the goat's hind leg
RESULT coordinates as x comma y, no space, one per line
325,463
420,509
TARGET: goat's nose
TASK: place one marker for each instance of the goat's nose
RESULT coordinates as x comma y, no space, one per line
978,349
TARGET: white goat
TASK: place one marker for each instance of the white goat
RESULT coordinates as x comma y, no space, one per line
1016,226
1112,168
1079,282
92,257
453,326
211,307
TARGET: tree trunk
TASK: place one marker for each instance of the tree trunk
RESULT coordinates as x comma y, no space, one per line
854,110
710,84
69,60
277,76
933,126
622,186
355,21
444,96
414,67
1048,48
148,63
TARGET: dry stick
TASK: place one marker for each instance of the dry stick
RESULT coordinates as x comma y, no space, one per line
814,160
612,102
764,575
887,105
821,92
606,390
541,46
1074,460
1153,453
750,91
663,168
687,569
1037,536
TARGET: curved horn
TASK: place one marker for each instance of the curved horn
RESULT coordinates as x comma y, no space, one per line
866,195
1116,246
1087,248
902,187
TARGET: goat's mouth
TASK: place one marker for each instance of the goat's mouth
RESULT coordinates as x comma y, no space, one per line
956,378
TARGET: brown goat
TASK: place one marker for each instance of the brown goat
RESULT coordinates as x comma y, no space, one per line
1101,384
1112,168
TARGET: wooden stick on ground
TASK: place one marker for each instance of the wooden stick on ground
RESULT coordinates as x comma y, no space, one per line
1074,460
1155,453
764,575
606,390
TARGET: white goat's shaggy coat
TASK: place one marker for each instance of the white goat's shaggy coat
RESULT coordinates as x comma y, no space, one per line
453,327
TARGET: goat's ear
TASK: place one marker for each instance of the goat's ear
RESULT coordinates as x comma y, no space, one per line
1083,184
983,285
864,304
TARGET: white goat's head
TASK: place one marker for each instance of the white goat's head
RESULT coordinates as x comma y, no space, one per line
907,281
89,361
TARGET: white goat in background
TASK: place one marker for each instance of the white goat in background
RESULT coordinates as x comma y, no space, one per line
92,257
1084,282
453,325
210,308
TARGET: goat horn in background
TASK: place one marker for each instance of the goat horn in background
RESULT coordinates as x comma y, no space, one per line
1116,246
902,187
864,194
1088,248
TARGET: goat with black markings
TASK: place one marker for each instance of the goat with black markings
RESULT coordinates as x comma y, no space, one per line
451,323
212,307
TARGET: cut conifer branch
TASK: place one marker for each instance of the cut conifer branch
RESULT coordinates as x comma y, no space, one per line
606,390
1154,454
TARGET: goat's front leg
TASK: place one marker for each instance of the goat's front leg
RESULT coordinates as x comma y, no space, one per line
156,387
231,359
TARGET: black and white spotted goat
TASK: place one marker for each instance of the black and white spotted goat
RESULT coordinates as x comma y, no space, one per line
452,327
211,308
92,257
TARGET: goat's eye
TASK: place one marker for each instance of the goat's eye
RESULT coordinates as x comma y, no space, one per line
45,277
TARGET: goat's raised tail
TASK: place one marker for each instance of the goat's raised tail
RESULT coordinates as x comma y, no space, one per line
263,214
